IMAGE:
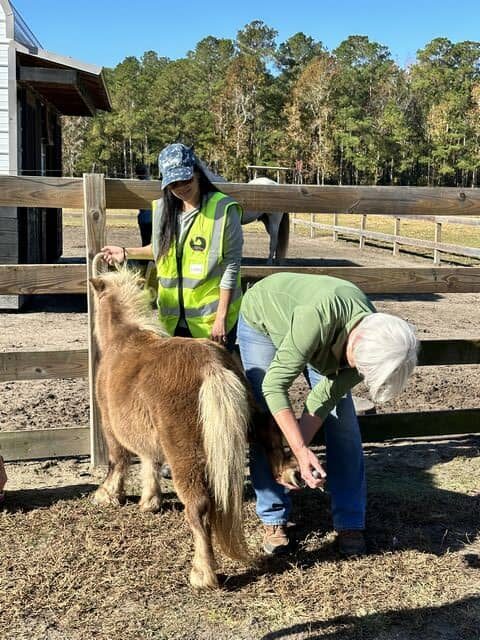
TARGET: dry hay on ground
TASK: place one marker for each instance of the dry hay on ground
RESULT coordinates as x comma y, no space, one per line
71,570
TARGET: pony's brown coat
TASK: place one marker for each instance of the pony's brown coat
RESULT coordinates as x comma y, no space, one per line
177,399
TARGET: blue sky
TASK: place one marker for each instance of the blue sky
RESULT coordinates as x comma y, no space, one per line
104,32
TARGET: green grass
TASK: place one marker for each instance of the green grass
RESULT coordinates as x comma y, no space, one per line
458,234
452,233
124,219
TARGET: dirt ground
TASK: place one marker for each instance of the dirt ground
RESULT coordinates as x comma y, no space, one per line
71,571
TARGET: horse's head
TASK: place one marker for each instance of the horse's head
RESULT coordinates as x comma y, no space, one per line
123,286
122,303
282,462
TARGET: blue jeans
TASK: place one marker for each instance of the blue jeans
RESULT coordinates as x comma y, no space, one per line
345,468
144,219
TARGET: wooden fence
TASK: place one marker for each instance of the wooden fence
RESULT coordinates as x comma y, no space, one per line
95,195
396,239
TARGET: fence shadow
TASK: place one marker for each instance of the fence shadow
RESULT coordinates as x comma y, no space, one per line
25,500
406,297
56,303
252,261
406,509
455,621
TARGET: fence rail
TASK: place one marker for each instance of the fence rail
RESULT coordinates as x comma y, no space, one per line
30,191
396,239
45,365
95,194
75,441
72,278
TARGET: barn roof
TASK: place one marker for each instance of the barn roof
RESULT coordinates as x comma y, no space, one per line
73,87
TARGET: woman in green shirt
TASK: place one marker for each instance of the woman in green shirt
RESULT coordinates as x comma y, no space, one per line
328,329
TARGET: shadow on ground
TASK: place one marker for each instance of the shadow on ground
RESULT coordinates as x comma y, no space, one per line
25,500
406,509
457,621
301,262
58,303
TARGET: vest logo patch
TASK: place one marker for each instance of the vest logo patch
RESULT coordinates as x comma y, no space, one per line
198,243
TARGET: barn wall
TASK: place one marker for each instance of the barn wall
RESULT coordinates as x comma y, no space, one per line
40,229
8,122
9,252
3,23
4,109
29,131
8,215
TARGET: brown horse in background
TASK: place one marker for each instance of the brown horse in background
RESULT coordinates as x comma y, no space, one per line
173,399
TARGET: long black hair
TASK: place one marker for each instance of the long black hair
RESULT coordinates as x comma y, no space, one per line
172,206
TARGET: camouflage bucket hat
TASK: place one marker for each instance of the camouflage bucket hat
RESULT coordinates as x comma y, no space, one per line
176,162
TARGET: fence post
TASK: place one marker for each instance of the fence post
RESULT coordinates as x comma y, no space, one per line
438,238
335,224
94,201
363,224
396,232
312,228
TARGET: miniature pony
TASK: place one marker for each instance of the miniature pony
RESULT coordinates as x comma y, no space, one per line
174,399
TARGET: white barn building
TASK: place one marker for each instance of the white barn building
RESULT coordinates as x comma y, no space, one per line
36,88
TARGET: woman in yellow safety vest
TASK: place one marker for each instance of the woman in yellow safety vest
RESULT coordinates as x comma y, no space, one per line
196,246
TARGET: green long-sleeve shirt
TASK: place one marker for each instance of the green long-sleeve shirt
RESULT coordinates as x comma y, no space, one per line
308,319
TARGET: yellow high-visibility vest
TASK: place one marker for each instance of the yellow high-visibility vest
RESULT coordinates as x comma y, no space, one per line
197,282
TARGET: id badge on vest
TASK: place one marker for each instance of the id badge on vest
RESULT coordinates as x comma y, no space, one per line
195,269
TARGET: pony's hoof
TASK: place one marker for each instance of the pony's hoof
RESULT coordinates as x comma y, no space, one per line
150,505
101,497
203,579
292,476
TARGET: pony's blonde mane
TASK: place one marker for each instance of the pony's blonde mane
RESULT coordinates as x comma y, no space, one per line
126,285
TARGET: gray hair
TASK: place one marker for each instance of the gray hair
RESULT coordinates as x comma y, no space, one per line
385,354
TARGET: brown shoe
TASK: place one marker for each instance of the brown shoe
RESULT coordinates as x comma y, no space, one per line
275,539
351,543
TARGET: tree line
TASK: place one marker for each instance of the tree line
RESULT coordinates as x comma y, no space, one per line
347,116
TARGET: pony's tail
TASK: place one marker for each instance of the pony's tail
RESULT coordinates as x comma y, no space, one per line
225,413
283,236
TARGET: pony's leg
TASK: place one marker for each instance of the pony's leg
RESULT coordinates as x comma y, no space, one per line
151,499
197,512
112,491
273,225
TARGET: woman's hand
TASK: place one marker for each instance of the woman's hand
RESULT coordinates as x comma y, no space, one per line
219,331
311,470
113,254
